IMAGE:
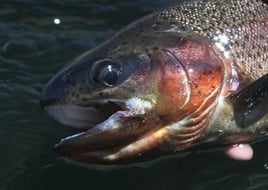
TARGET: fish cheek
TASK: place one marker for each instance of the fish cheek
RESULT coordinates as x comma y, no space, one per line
171,86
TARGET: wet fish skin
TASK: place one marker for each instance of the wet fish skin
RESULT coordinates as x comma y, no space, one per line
183,75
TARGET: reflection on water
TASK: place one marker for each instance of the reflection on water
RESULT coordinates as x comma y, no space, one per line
37,39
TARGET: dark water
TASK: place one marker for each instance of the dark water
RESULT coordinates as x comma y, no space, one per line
32,49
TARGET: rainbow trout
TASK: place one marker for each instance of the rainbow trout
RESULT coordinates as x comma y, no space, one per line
193,74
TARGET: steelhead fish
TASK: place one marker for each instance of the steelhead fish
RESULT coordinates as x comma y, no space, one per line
192,74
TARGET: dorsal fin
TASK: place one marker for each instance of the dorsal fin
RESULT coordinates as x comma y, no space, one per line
251,103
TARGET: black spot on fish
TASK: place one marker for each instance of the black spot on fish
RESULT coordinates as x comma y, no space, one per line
145,37
132,90
238,56
73,94
155,48
247,37
183,28
141,30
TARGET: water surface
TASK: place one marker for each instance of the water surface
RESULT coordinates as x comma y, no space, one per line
33,47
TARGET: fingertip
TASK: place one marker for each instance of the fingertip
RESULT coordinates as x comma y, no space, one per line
242,152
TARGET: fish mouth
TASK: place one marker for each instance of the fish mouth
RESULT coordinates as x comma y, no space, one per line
105,126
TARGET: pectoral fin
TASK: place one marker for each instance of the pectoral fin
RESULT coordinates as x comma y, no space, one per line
251,103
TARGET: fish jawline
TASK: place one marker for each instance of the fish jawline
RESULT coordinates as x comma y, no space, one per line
99,142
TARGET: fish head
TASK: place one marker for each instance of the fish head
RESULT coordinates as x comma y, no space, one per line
91,89
126,94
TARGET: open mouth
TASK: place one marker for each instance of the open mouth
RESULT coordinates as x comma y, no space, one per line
107,126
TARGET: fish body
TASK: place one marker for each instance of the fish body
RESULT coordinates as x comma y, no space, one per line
188,75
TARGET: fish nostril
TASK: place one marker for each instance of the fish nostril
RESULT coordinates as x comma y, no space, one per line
52,91
49,94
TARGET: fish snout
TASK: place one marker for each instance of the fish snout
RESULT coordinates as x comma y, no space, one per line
50,95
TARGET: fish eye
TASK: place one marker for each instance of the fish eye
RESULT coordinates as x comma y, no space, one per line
107,73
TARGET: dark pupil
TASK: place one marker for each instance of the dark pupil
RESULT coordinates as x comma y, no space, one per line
109,75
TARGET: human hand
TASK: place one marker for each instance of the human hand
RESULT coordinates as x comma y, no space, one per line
239,152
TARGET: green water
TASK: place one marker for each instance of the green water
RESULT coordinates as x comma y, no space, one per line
32,49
